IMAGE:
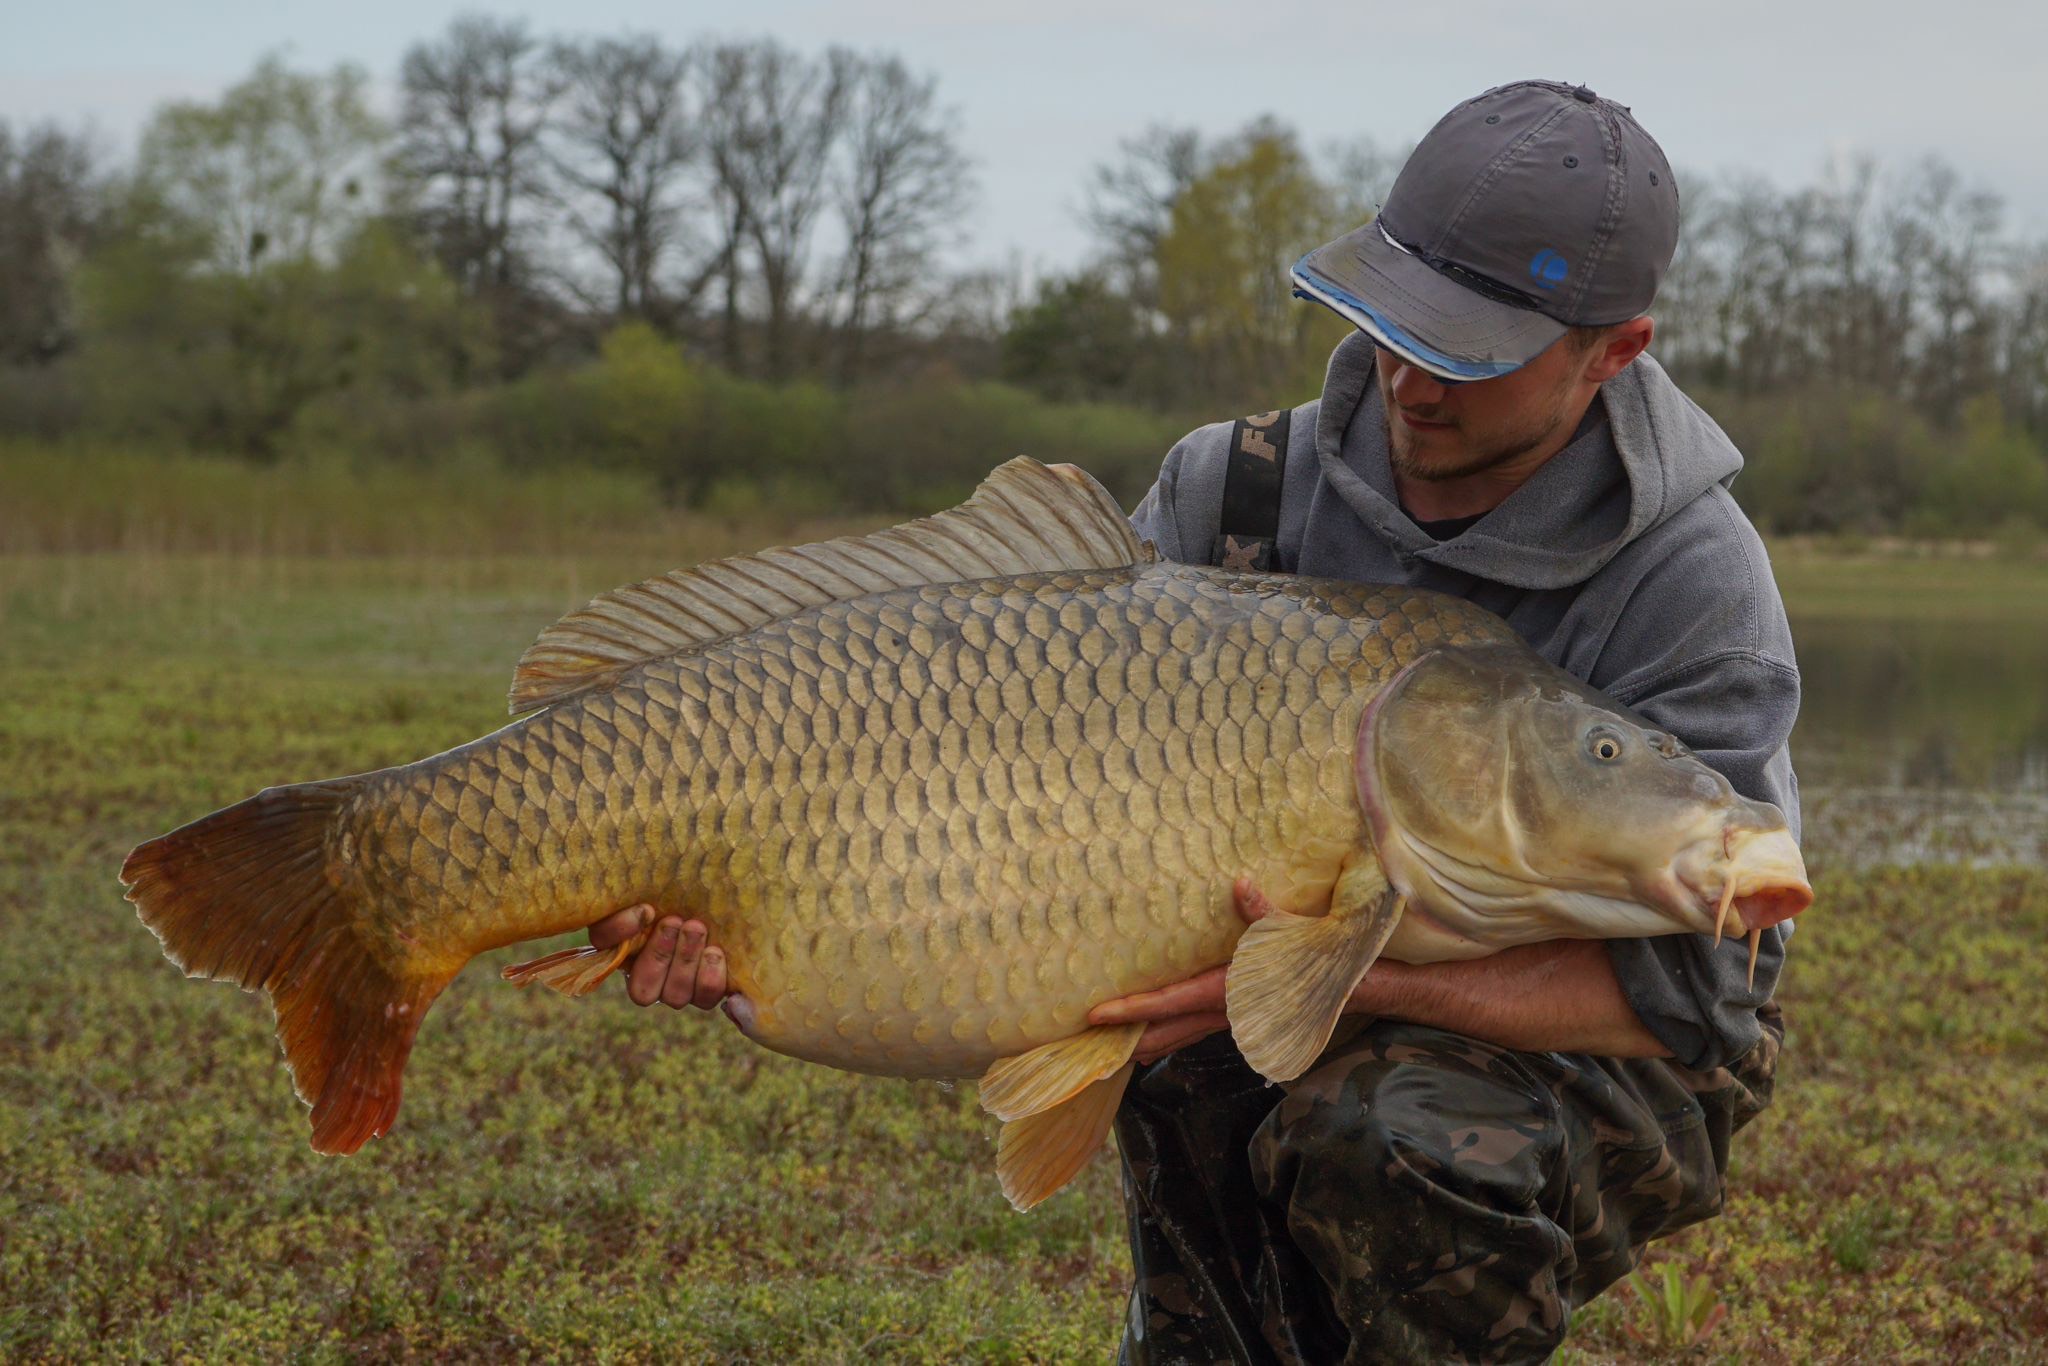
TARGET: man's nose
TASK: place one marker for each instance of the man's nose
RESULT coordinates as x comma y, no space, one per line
1415,387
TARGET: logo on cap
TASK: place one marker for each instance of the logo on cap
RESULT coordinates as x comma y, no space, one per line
1548,269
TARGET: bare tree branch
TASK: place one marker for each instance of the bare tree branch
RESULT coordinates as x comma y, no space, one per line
472,107
623,143
904,180
770,116
50,214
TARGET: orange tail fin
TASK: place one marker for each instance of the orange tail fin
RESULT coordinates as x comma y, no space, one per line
245,895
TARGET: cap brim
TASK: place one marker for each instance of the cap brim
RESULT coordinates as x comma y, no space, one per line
1423,316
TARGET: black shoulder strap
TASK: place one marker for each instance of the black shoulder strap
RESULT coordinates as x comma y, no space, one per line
1247,535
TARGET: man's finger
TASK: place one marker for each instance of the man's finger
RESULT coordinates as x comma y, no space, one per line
617,928
680,986
1203,992
650,968
711,980
1169,1035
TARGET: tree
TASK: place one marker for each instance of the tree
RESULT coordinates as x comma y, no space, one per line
472,107
50,214
1900,282
279,170
1359,173
236,361
769,116
903,182
1130,201
1990,474
1961,230
623,145
1198,236
2023,347
1081,338
1222,267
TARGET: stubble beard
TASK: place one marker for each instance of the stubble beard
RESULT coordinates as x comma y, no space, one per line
1407,461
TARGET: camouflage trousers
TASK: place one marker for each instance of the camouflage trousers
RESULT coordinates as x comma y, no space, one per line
1416,1196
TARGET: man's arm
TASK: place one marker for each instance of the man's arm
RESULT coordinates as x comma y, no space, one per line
1562,996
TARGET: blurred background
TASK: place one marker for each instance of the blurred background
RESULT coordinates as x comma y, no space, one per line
817,263
342,348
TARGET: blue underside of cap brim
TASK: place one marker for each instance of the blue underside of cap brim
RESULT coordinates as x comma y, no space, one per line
1319,288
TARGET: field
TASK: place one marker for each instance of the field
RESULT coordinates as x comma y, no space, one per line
576,1180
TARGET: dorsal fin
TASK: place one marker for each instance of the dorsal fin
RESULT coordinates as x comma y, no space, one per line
1026,518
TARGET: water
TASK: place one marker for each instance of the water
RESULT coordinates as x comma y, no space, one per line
1923,740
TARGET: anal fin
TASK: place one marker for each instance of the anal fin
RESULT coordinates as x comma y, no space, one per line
1292,974
1042,1078
1042,1152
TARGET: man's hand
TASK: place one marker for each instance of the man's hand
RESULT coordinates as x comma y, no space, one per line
1184,1012
676,968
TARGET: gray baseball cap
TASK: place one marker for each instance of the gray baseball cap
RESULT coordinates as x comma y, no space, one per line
1533,207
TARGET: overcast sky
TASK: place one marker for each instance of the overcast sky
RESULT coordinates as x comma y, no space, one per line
1045,90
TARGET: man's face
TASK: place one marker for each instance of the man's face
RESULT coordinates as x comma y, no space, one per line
1439,431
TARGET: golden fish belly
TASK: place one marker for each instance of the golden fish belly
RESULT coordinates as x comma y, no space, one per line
932,827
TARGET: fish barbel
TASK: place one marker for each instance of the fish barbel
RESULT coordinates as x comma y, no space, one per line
940,790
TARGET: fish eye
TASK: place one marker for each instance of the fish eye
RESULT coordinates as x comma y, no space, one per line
1604,745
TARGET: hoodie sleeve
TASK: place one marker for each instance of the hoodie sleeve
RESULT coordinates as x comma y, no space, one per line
1714,666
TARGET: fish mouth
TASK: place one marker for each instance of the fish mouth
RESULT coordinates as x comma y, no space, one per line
1763,883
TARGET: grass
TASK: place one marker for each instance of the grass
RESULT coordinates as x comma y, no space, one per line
1909,582
576,1180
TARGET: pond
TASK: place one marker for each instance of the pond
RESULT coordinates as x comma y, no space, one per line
1923,738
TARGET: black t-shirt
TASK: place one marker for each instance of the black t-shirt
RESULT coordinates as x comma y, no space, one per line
1449,528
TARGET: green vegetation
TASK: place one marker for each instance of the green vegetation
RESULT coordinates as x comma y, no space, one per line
1680,1312
584,1179
85,498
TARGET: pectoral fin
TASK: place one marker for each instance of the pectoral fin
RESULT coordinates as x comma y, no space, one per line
576,972
1291,974
1032,1082
1040,1153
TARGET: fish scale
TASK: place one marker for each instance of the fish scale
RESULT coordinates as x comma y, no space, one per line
930,828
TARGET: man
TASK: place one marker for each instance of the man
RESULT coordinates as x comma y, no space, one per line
1489,1143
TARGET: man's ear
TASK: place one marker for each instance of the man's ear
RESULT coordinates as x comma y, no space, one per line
1619,345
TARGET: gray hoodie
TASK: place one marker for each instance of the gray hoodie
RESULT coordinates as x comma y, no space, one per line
1624,560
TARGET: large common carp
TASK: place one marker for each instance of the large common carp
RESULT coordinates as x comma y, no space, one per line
939,790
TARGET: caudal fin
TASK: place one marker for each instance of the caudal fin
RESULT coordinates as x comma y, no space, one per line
251,895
